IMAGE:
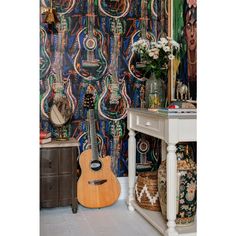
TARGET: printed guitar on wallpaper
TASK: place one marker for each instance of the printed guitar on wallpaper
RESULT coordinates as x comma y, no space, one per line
97,54
136,63
114,101
57,85
90,62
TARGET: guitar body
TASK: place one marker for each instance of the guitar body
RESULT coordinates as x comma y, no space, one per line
57,86
90,62
114,8
135,64
114,100
96,188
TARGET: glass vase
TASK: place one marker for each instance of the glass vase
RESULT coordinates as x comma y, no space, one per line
155,92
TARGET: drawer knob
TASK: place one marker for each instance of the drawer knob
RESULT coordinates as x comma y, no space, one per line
147,123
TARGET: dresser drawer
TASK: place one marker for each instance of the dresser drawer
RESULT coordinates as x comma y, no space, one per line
49,191
49,161
66,160
65,187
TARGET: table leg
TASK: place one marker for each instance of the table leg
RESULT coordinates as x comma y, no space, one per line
171,170
131,167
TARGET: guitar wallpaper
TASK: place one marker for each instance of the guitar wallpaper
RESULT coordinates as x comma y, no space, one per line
94,53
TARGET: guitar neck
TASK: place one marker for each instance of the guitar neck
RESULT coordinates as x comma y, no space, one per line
58,62
93,134
162,34
115,150
90,17
115,57
144,19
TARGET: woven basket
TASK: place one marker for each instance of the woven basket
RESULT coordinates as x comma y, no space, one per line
146,191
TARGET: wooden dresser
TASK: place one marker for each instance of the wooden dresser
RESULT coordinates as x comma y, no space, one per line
58,174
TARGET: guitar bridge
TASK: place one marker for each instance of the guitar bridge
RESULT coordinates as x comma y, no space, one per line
141,65
97,181
90,64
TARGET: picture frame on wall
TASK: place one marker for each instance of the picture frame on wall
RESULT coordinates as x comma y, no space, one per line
183,30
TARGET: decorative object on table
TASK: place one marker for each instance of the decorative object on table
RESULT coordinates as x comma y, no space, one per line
182,105
143,147
60,114
51,18
97,186
186,186
179,107
182,91
146,191
156,56
44,134
45,137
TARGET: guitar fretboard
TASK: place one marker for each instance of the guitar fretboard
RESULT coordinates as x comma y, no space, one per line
90,17
58,62
93,134
144,19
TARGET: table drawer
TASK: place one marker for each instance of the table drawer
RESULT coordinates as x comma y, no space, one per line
148,124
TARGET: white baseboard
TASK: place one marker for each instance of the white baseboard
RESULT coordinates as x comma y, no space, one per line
124,187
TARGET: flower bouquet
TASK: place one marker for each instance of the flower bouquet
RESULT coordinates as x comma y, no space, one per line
156,55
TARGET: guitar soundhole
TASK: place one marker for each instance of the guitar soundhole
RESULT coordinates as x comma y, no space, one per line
90,44
96,165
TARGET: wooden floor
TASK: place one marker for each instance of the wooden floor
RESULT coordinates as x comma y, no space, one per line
115,220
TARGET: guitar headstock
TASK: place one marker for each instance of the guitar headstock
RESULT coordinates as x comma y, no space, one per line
116,27
89,101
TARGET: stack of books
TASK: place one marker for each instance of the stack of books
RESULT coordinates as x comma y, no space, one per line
45,137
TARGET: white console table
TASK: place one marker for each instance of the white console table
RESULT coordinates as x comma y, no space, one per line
171,128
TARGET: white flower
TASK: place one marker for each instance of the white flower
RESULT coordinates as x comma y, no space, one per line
155,56
154,45
159,45
175,44
163,40
171,57
166,49
151,54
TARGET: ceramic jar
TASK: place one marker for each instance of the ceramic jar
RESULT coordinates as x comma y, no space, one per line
186,186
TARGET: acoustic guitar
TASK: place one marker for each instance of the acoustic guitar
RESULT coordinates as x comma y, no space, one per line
97,186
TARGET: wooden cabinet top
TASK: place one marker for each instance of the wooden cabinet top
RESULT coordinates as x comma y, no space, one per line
72,142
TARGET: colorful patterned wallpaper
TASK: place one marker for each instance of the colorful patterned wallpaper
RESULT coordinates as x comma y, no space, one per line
92,50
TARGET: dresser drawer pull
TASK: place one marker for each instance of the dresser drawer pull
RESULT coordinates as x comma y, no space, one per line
147,123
